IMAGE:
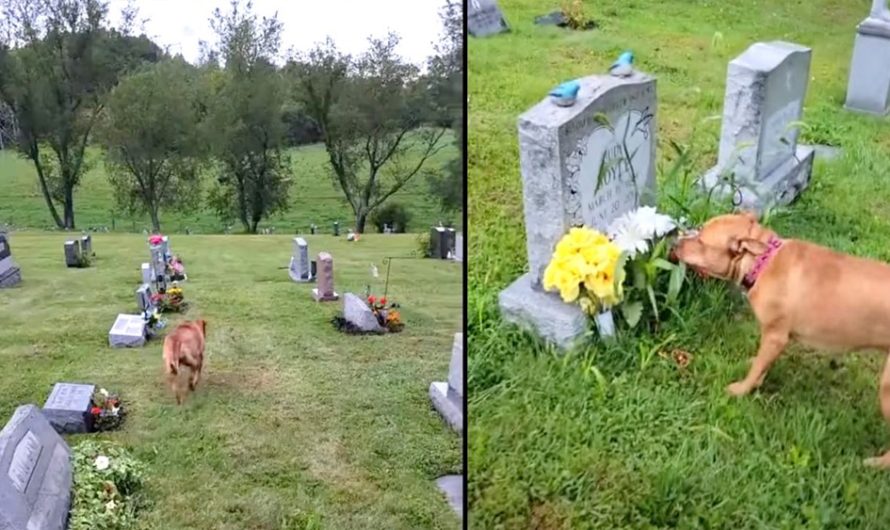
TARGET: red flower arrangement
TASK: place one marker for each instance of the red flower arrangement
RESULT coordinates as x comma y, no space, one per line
388,317
107,411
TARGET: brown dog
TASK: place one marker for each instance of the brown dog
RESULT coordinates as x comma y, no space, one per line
184,347
798,291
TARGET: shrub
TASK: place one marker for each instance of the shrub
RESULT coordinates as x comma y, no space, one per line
393,214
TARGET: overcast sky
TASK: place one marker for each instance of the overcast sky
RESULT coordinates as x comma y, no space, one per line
182,24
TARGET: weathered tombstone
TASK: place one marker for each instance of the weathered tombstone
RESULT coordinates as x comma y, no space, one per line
35,473
484,18
325,290
143,298
299,269
312,228
336,228
72,253
581,165
147,274
86,245
10,274
868,88
128,331
441,242
68,408
357,313
448,398
760,164
158,265
459,247
453,488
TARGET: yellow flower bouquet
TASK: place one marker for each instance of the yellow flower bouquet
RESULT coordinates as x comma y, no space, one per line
588,268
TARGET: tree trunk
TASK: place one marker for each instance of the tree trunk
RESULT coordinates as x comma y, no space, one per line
69,208
45,190
360,219
155,221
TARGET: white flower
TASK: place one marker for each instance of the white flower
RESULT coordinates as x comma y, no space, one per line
633,231
102,462
110,505
103,392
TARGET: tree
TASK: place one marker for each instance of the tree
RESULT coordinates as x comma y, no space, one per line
373,116
150,135
245,124
446,89
59,63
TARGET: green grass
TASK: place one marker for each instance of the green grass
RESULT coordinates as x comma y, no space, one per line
650,445
314,198
294,425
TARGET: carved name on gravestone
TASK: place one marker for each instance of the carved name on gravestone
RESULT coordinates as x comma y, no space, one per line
325,290
35,473
484,18
128,331
357,313
759,163
868,88
68,408
10,274
72,253
448,397
581,165
299,269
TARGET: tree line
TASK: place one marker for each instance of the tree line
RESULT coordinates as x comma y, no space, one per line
69,79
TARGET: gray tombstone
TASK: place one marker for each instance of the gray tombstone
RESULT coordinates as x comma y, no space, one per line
448,398
357,313
484,18
68,408
143,298
86,245
128,331
35,473
299,269
441,242
72,253
10,274
147,274
336,228
760,164
158,264
458,247
581,165
452,486
868,88
325,290
165,245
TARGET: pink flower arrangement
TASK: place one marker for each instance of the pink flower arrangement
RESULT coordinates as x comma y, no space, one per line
156,239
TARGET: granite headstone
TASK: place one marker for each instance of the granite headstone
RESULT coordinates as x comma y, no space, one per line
760,163
484,18
459,247
357,313
72,253
325,290
68,408
143,298
35,473
128,331
868,88
10,274
586,164
147,274
448,397
299,270
86,245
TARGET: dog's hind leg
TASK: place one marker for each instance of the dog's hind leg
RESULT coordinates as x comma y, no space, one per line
883,461
195,375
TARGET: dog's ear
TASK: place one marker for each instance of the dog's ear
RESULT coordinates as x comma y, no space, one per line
751,246
203,324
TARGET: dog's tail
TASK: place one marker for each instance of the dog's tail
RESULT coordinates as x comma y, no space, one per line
173,361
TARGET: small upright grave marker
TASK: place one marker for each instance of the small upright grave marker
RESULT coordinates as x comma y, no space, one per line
484,18
760,163
68,408
459,247
581,165
357,313
147,274
86,245
336,228
73,256
325,290
143,298
35,473
868,88
10,274
448,398
299,269
128,331
441,242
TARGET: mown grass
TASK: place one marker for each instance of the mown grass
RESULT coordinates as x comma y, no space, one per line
314,198
650,444
295,425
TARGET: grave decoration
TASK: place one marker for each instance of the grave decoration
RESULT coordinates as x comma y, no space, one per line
108,481
387,316
373,317
107,411
163,262
170,300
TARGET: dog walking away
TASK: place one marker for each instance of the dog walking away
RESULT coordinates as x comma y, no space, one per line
789,284
184,347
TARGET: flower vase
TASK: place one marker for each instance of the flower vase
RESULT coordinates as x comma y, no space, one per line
605,323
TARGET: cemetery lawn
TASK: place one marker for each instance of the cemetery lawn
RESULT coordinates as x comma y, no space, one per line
294,425
624,438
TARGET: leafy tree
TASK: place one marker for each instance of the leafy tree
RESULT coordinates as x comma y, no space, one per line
150,135
58,64
374,119
245,124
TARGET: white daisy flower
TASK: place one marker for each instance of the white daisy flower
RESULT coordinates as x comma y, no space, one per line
102,462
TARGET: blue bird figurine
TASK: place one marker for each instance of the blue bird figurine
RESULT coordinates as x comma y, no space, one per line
624,66
565,94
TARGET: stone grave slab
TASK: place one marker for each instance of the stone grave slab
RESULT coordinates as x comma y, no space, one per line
868,87
325,291
484,18
35,473
72,253
10,274
581,165
452,486
128,331
357,312
760,163
300,269
68,408
458,247
448,397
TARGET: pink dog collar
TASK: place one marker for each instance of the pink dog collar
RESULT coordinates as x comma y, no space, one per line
773,246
